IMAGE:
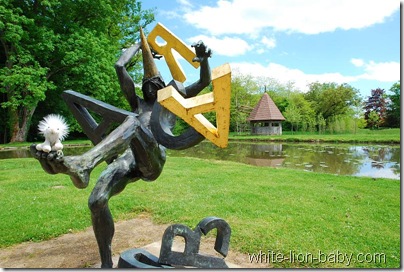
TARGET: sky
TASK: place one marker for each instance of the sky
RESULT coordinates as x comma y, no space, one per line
301,41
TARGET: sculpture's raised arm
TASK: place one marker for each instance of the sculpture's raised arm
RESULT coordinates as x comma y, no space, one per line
203,53
125,80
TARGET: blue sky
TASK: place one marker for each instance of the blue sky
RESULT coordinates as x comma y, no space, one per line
300,41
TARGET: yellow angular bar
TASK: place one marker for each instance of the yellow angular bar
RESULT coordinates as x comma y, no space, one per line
221,81
172,42
191,109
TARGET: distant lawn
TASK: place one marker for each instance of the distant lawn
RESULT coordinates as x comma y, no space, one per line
389,135
277,210
28,144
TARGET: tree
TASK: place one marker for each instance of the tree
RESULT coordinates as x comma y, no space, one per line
357,114
375,103
373,120
50,46
321,123
312,122
393,108
22,78
307,114
244,97
331,99
293,115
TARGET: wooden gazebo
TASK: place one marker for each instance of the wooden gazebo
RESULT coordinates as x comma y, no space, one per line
265,118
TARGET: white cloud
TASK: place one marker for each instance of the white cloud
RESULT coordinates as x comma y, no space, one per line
309,16
184,3
357,62
230,47
269,42
225,46
384,72
284,74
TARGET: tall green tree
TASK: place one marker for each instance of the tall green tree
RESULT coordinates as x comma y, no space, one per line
22,77
245,93
393,108
331,99
49,46
307,113
293,115
376,103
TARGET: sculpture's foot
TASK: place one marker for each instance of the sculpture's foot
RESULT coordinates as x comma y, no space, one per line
106,265
54,162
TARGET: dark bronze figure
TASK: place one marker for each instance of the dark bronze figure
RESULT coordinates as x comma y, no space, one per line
131,150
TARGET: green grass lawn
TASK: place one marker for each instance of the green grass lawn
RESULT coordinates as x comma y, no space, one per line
388,136
279,210
27,144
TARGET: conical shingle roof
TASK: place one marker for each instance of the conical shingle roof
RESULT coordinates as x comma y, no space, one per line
266,110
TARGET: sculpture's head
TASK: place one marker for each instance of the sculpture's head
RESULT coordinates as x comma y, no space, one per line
152,80
150,87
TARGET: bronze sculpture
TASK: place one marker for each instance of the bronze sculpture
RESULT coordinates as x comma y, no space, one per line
131,150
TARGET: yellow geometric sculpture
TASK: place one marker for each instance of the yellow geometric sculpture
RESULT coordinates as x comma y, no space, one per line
191,109
172,42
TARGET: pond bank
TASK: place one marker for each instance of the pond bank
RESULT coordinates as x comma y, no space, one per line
316,141
366,136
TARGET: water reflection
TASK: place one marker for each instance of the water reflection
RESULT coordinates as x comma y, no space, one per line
372,161
379,161
13,153
322,158
265,155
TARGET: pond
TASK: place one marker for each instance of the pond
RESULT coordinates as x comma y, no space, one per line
378,161
355,160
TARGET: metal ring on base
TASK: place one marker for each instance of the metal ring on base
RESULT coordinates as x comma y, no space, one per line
139,258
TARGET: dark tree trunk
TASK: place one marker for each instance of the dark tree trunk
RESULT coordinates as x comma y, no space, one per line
20,122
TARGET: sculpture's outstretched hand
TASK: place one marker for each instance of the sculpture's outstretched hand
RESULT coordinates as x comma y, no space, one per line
55,163
51,162
202,52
